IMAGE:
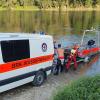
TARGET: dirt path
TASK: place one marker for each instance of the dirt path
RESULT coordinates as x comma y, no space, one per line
28,92
45,92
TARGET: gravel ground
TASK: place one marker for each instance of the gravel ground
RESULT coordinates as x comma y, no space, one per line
44,92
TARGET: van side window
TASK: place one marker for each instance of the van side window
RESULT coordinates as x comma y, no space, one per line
13,50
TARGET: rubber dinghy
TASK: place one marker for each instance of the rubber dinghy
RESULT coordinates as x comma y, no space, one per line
92,47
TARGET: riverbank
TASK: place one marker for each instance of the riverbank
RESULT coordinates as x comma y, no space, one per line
35,8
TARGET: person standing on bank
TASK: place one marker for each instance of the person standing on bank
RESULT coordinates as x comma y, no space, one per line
56,68
60,59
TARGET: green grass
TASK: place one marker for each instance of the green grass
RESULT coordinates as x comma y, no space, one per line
86,88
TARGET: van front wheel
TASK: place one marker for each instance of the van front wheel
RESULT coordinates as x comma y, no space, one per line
39,78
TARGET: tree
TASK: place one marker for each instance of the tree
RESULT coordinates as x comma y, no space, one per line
21,2
88,3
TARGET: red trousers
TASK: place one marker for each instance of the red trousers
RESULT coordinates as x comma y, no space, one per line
70,60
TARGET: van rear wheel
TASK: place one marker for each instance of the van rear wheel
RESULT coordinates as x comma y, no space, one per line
39,78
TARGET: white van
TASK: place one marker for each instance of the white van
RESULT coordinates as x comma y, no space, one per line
24,58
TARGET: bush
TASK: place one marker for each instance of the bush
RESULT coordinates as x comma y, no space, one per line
86,88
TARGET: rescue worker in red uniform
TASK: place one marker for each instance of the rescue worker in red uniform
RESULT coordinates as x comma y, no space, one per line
72,58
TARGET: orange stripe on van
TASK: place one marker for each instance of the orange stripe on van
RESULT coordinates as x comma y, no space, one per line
24,63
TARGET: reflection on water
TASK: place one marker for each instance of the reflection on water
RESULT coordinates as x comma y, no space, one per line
69,40
66,27
51,22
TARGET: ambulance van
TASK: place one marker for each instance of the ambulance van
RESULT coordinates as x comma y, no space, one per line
24,58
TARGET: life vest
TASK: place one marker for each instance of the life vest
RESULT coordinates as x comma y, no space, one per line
73,51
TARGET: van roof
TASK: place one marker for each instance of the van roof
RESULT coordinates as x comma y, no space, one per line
22,35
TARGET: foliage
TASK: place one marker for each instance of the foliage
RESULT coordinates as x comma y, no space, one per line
50,3
87,88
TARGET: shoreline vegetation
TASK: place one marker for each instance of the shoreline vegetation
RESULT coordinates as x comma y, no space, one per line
34,8
85,88
50,5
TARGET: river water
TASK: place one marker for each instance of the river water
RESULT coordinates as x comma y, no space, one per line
66,27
